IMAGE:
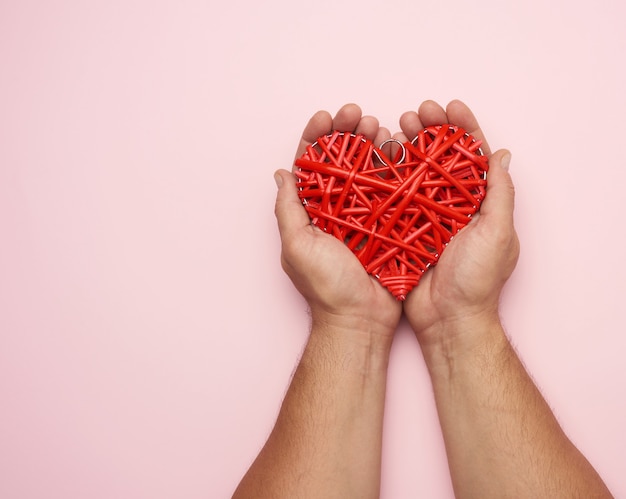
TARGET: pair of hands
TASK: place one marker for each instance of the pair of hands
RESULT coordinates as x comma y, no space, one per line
464,285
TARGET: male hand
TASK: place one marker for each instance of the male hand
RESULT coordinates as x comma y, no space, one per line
329,276
465,285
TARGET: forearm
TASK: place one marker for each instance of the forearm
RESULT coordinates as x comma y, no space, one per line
501,437
327,439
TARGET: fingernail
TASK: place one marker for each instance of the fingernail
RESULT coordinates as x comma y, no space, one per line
506,161
278,179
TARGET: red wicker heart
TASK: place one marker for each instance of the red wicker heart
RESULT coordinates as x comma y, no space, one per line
396,216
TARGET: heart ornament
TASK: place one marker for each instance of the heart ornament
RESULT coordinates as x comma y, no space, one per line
396,216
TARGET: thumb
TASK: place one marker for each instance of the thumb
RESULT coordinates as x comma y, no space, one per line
500,198
290,212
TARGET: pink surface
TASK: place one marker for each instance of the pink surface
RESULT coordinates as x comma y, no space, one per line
147,332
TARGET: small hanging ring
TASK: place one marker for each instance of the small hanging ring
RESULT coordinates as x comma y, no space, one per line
380,147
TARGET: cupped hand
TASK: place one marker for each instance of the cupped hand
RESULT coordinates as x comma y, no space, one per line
329,276
467,281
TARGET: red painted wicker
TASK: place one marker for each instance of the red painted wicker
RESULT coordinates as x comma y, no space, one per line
397,216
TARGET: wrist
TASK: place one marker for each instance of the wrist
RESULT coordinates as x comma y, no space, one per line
353,342
448,344
377,328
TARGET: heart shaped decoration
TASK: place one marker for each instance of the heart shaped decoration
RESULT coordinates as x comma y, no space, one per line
396,216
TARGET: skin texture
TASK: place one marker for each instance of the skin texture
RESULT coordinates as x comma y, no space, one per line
328,436
501,437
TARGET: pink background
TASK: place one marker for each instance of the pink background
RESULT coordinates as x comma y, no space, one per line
147,332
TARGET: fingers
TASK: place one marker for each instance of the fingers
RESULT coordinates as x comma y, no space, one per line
382,135
411,124
320,124
400,137
461,115
290,212
367,126
348,119
430,113
500,199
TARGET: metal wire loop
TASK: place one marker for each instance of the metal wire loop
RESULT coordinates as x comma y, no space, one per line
380,147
